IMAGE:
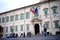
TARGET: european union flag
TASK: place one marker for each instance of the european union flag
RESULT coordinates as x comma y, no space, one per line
36,11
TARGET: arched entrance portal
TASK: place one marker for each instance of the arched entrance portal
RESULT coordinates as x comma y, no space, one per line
36,27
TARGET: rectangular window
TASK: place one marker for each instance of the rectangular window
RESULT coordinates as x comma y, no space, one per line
47,24
21,27
16,17
45,11
21,17
7,19
16,29
11,29
0,20
11,18
3,20
54,10
27,15
56,23
6,29
27,25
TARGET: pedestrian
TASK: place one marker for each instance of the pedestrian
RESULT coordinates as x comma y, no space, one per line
21,35
24,34
45,31
16,35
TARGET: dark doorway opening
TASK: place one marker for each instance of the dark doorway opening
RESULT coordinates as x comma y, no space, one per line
36,27
1,31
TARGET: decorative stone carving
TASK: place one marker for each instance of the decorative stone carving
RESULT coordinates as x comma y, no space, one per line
36,19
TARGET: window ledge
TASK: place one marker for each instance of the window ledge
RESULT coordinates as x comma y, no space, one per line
46,15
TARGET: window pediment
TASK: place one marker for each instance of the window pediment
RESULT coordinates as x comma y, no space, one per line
53,7
45,9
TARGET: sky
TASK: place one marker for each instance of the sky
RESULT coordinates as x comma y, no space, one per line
6,5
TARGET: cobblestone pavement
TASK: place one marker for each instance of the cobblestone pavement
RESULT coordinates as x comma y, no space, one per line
34,38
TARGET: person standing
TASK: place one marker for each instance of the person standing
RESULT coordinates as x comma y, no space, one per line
45,31
24,34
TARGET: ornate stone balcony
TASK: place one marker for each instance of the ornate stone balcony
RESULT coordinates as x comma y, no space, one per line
36,19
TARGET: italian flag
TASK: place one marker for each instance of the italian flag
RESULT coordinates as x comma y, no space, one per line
32,10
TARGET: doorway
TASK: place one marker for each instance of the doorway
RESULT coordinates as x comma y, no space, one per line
36,27
1,31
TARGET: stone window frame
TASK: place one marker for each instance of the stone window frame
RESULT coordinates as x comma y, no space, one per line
3,19
7,29
54,24
16,17
52,10
48,24
21,27
26,15
44,11
8,19
28,27
12,18
21,15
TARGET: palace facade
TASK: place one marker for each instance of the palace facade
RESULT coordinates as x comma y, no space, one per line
23,20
